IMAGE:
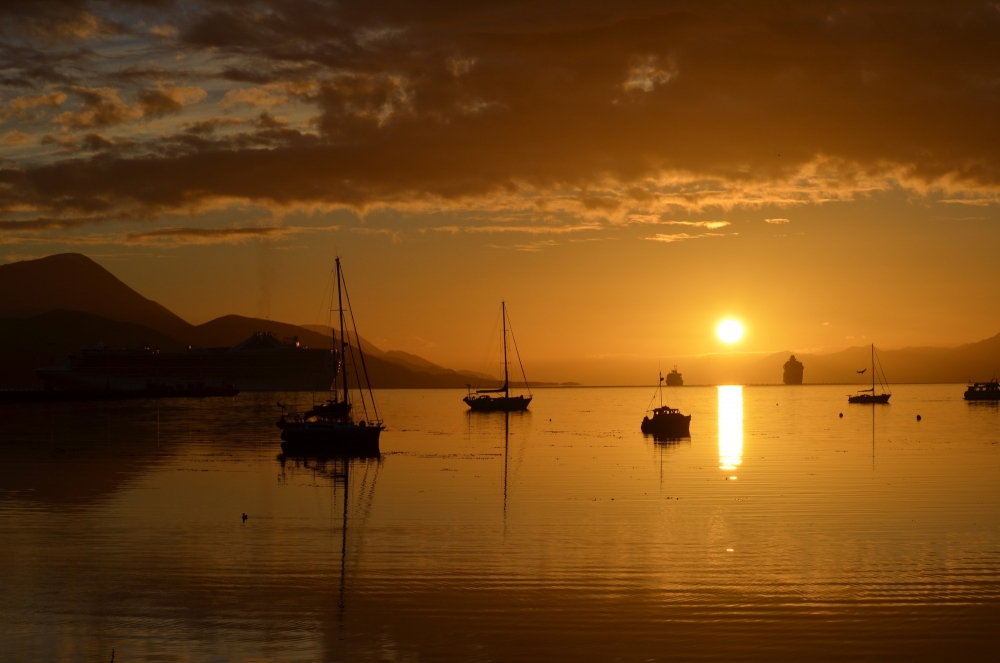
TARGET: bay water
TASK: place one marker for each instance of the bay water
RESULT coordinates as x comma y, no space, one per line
779,531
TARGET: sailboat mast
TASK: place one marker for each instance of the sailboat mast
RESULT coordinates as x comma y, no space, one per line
333,348
873,370
506,377
343,344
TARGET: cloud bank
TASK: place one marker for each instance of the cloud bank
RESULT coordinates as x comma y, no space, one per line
621,111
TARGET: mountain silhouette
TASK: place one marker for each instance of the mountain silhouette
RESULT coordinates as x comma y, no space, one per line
52,307
74,282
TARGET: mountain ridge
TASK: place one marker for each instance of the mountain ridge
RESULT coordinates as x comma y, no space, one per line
39,297
53,306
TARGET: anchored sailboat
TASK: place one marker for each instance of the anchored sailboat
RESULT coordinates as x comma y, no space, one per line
332,428
868,396
483,400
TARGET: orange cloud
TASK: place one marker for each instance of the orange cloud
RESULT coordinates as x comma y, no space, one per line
15,138
680,237
23,107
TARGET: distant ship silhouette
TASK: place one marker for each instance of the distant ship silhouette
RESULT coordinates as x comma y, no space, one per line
793,371
675,379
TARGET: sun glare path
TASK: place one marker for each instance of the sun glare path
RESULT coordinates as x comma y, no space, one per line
729,331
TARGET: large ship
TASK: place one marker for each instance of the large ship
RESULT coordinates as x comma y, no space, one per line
260,363
675,379
793,371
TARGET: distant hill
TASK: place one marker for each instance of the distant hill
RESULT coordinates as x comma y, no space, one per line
232,329
54,306
412,361
970,362
74,282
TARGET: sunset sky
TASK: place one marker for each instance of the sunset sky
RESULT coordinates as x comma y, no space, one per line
626,175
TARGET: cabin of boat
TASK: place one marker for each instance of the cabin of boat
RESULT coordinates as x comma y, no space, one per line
331,408
983,391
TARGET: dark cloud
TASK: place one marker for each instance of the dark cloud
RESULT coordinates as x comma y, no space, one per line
157,102
604,110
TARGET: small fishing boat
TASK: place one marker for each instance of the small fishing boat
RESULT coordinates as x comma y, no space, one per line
331,428
983,391
666,422
868,396
484,400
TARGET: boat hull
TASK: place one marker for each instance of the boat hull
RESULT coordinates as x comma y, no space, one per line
868,399
669,427
329,438
983,396
497,403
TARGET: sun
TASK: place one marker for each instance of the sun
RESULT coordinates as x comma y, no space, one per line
729,331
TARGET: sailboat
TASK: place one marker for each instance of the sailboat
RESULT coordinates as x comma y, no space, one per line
667,422
868,396
332,428
484,400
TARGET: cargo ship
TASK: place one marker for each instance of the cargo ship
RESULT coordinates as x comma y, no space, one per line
675,379
260,363
793,371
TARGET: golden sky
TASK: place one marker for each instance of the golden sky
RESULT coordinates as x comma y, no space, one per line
624,174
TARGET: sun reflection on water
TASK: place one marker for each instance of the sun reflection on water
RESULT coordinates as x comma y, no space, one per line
730,427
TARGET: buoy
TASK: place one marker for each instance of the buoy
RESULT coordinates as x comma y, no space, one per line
841,415
918,417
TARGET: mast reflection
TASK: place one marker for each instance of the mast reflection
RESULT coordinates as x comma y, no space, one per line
730,427
342,471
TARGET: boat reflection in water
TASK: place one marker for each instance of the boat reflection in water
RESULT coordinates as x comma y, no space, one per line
352,479
730,427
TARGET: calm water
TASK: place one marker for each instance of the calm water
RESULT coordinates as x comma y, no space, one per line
779,531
